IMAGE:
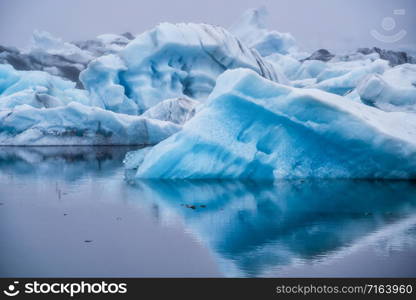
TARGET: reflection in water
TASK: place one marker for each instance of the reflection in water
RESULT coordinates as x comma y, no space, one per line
69,163
245,228
253,227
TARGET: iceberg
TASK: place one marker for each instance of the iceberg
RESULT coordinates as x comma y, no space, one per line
286,63
36,88
251,30
48,54
394,90
253,128
77,124
45,43
330,73
339,74
171,77
310,69
184,60
105,43
56,57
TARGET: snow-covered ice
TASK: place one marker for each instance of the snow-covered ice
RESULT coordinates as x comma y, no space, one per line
184,60
37,89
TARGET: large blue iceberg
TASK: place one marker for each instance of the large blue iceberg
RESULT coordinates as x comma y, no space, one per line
36,88
173,60
253,128
246,102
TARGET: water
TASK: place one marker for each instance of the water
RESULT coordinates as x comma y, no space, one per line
73,211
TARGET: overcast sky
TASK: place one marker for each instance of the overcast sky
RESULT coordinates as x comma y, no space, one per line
331,24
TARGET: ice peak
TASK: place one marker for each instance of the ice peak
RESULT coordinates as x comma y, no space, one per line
251,29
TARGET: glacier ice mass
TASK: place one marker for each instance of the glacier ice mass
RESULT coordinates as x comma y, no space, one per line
240,103
169,61
184,60
252,128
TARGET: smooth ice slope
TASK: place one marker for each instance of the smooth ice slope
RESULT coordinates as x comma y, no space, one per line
102,80
255,128
76,124
342,78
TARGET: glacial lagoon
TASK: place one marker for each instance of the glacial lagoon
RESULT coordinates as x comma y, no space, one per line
75,211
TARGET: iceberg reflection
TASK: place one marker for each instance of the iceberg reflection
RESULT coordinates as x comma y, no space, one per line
69,163
249,228
253,227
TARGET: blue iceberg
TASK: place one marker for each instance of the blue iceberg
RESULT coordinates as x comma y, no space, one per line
36,88
253,128
184,60
241,103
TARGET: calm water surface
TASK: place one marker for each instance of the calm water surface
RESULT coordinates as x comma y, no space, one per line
73,211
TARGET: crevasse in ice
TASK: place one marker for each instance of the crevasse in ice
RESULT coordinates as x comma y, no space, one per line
170,61
184,60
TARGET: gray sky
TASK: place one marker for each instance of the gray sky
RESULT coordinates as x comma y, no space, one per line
331,24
